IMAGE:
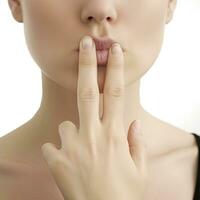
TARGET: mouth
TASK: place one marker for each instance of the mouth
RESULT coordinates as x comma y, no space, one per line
102,57
102,49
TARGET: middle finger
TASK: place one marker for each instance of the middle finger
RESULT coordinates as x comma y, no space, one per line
114,86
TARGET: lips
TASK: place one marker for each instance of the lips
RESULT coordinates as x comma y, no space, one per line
102,57
102,47
103,44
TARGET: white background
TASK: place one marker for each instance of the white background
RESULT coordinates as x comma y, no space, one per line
169,90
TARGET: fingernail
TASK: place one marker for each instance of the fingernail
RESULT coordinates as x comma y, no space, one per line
116,48
137,126
87,43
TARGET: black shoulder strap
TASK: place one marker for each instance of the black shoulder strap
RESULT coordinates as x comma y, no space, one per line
197,188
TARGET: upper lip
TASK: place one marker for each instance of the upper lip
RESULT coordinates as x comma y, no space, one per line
103,43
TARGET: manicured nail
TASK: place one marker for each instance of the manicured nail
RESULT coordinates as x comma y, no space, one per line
116,48
87,43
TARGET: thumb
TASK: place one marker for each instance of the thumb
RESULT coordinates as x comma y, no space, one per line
137,146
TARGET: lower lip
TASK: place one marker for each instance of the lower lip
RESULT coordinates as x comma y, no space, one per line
102,57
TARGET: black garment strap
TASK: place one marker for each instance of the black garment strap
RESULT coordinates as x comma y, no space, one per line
197,188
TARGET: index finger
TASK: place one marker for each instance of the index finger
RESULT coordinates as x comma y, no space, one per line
88,91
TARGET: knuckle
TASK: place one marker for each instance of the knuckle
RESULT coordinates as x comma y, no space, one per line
116,91
88,94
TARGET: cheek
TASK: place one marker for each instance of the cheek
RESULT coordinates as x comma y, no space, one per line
49,35
145,38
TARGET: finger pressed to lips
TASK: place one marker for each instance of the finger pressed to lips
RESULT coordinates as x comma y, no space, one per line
114,86
88,91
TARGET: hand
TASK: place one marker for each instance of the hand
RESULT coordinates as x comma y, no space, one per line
99,161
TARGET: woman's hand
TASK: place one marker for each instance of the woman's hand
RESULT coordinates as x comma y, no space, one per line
99,161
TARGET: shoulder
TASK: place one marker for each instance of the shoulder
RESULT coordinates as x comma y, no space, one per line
183,151
172,144
8,145
180,142
18,173
8,154
176,155
12,159
13,167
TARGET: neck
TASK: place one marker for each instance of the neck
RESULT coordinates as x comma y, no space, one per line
59,104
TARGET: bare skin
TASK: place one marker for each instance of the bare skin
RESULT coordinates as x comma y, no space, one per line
51,34
170,165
